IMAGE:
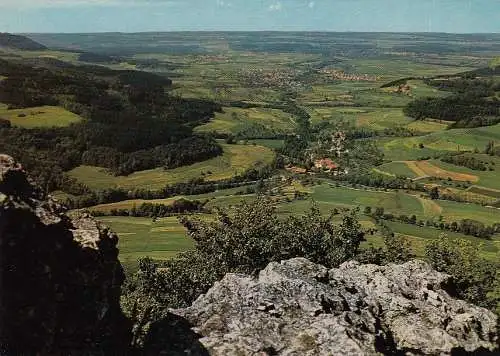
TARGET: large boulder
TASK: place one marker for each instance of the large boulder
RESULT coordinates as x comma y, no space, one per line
60,277
297,307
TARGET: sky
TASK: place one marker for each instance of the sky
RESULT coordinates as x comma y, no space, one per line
455,16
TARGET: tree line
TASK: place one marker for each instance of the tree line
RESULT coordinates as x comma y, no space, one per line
466,161
153,210
465,226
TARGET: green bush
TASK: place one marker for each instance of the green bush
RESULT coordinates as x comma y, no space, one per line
242,240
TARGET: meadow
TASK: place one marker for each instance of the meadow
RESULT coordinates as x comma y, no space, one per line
392,202
396,169
42,116
235,160
216,198
436,143
236,120
419,236
142,237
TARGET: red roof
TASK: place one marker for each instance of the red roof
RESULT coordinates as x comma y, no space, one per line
326,163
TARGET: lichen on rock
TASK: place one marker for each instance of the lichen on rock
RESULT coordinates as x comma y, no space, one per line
297,307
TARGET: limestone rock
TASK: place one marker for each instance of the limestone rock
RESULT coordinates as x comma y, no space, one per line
60,276
299,308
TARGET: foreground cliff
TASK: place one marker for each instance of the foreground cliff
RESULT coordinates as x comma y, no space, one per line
299,308
60,277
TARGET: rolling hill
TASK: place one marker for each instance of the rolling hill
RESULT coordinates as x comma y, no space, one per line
19,42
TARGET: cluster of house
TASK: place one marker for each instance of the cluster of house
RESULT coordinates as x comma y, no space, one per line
402,89
276,78
341,75
325,165
213,58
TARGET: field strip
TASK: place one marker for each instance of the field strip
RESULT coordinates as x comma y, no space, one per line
484,188
360,189
415,168
425,168
376,170
430,207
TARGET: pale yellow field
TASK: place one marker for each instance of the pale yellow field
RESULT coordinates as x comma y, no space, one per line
42,116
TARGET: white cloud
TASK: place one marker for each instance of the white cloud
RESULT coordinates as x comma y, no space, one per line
311,4
277,6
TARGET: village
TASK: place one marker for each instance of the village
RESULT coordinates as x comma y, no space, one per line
270,78
318,157
341,75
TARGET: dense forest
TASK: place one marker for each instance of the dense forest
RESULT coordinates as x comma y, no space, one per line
472,101
130,122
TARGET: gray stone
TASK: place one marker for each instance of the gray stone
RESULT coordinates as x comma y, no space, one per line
297,307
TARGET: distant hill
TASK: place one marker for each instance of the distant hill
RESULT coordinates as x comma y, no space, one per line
19,42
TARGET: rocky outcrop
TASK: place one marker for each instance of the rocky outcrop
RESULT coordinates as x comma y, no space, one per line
60,276
299,308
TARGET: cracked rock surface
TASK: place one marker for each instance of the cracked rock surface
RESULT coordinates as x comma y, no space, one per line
297,307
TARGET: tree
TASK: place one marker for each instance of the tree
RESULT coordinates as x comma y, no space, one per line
230,140
474,277
490,148
396,249
434,194
379,211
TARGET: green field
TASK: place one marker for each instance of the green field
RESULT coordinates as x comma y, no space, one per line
42,116
397,203
421,90
65,56
407,148
216,198
419,236
235,120
379,119
400,68
235,160
393,202
273,144
485,191
427,126
141,237
488,179
454,211
396,169
165,238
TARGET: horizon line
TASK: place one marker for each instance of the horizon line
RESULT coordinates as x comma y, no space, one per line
254,31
